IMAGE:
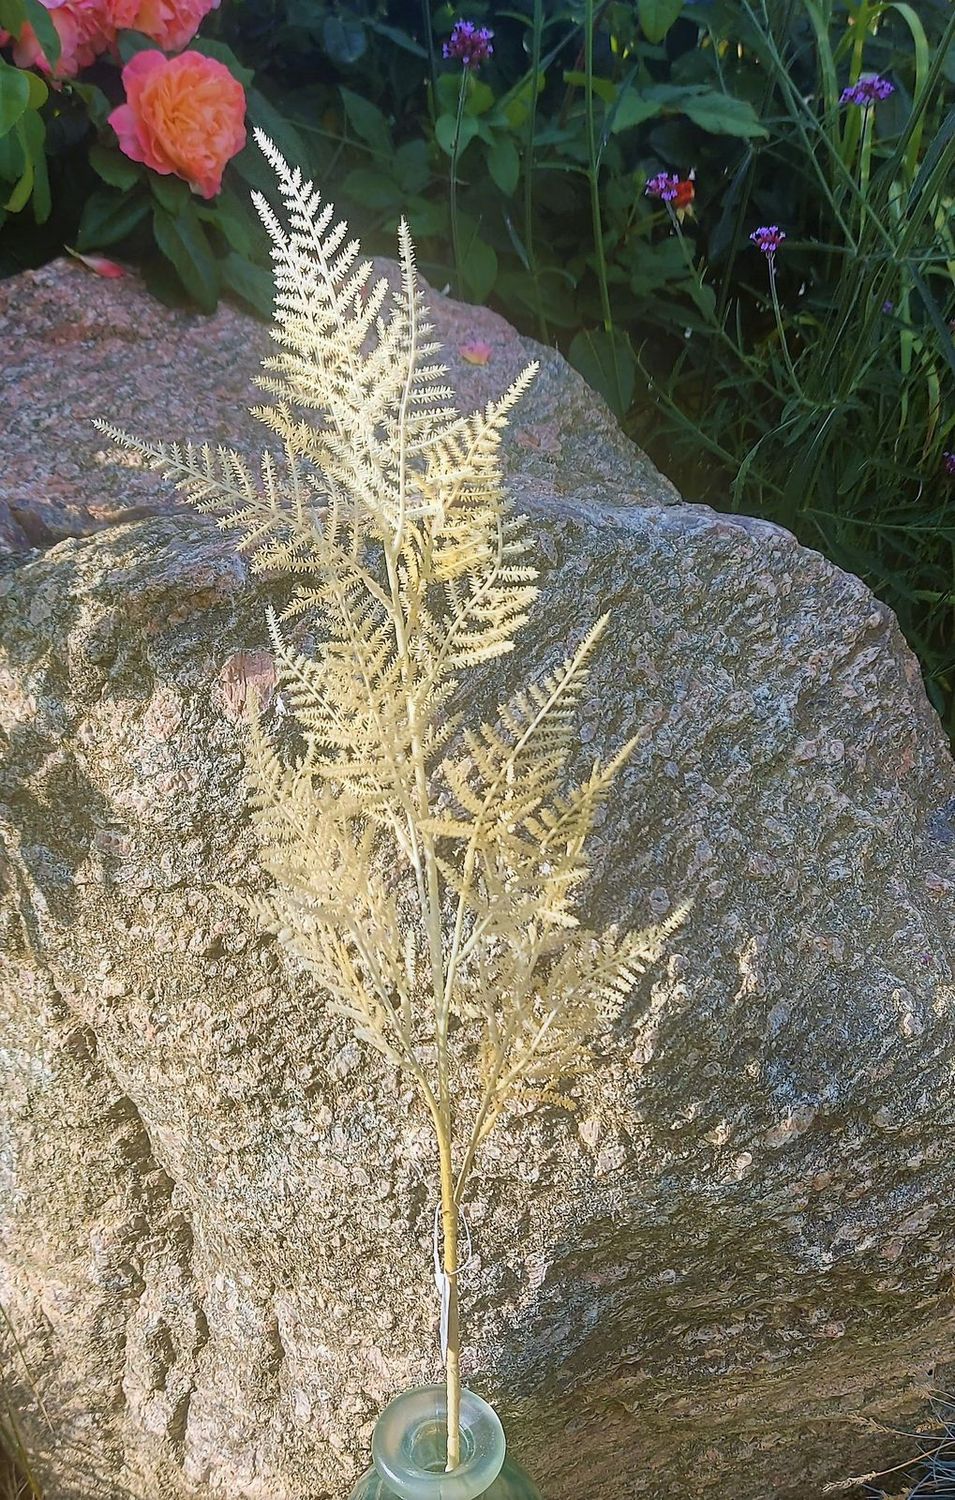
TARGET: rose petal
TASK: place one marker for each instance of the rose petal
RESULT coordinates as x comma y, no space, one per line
477,352
97,263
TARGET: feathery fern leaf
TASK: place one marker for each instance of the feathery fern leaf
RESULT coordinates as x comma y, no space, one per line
414,888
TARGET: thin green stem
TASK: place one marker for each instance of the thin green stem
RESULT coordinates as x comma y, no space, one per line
593,177
455,148
432,63
538,28
771,260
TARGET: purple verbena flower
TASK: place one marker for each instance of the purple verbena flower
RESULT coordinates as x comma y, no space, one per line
867,91
470,43
768,238
888,306
664,185
948,460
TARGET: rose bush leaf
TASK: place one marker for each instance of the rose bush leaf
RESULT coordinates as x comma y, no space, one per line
182,240
14,96
108,218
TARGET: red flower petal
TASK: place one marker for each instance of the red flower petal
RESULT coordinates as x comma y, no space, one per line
97,263
477,352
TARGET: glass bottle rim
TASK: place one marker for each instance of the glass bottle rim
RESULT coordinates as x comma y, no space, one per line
413,1421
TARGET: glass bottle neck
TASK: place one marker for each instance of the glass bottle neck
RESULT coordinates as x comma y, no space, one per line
409,1446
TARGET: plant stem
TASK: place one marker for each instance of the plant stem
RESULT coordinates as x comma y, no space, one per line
593,173
593,169
428,28
771,261
449,1222
455,244
542,331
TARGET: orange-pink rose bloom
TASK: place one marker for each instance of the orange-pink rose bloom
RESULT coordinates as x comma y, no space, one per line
171,23
182,114
85,29
88,27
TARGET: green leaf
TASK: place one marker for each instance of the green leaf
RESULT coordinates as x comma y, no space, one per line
20,196
413,166
720,114
252,167
32,132
479,96
250,282
131,42
444,132
606,361
306,14
46,33
98,106
161,279
221,53
108,218
478,268
229,218
367,121
516,106
550,292
182,240
170,191
39,93
657,16
114,167
447,89
280,131
12,157
343,38
704,298
426,218
372,189
633,108
14,96
654,265
504,164
12,16
604,88
400,38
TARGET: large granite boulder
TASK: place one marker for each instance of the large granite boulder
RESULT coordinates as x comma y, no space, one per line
729,1273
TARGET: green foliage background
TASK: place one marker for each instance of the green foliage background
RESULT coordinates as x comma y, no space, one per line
821,398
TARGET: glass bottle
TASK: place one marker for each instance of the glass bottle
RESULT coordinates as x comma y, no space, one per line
409,1448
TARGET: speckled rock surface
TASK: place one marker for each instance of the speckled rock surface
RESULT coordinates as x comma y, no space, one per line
717,1278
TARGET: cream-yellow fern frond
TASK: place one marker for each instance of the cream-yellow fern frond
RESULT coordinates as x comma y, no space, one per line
421,869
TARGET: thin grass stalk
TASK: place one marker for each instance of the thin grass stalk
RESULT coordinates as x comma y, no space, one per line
593,178
455,150
537,36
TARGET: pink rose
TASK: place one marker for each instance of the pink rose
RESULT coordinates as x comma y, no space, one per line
85,28
88,27
79,26
182,114
171,23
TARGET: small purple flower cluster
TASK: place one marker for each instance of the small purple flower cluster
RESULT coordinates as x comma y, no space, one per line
867,91
768,238
664,185
949,461
470,43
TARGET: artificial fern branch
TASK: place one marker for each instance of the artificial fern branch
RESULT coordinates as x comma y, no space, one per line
422,870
